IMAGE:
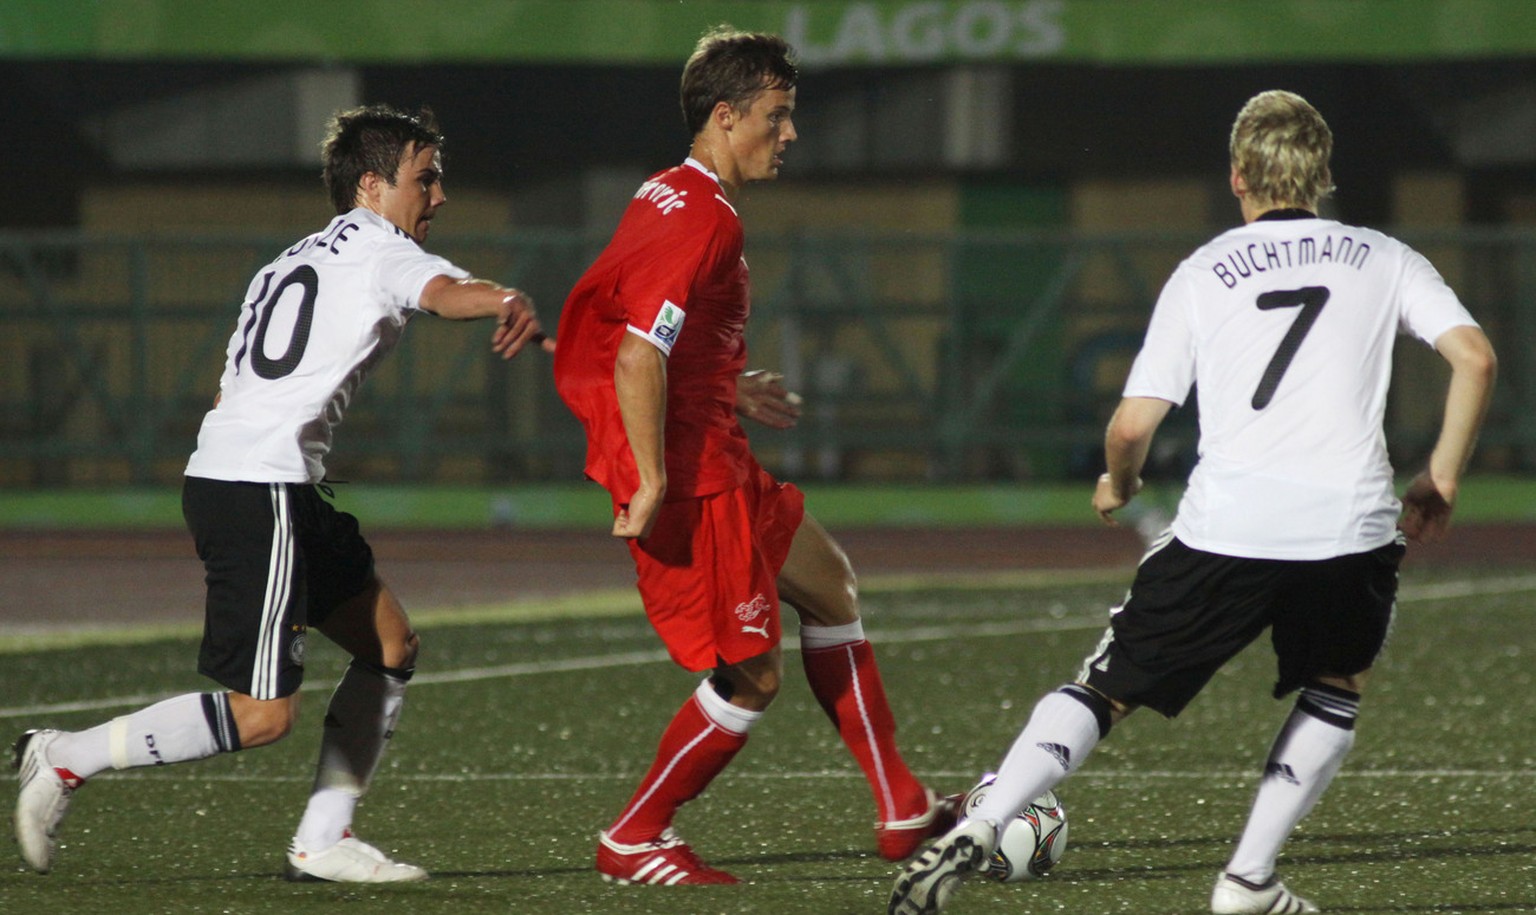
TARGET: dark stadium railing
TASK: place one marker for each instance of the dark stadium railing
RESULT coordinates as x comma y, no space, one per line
961,357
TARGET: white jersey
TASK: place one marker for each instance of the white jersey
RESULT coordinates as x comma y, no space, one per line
1286,327
314,322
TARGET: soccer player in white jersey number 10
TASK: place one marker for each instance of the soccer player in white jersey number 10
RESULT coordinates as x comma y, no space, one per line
1289,522
279,558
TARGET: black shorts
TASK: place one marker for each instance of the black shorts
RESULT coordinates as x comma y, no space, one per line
279,559
1189,612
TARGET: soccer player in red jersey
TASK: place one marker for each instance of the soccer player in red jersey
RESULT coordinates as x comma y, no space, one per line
651,360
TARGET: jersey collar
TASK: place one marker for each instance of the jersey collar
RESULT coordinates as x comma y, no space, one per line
1287,213
693,163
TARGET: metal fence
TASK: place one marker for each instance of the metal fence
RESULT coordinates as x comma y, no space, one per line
959,357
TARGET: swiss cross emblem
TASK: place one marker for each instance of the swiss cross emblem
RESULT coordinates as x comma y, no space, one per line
752,609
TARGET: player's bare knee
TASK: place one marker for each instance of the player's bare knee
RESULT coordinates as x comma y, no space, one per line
268,732
847,603
261,722
843,595
756,695
753,689
401,654
834,602
767,686
1355,683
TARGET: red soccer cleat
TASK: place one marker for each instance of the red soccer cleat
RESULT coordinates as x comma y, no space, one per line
667,861
898,840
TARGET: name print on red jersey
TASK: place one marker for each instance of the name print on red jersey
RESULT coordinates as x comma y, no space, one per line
663,195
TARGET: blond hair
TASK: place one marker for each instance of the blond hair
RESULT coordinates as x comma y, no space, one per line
1280,148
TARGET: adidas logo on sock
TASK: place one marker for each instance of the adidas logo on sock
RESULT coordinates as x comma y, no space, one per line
1063,754
1283,772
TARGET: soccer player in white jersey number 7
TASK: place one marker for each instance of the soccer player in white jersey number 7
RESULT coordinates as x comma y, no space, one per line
1289,522
279,557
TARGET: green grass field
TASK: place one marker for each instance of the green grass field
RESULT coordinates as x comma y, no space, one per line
523,735
1483,498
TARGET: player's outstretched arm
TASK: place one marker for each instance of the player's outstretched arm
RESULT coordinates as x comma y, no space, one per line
1431,497
1126,442
761,396
517,324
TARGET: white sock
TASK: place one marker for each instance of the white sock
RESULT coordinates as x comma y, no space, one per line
326,818
733,718
1063,729
179,729
1307,754
359,723
831,636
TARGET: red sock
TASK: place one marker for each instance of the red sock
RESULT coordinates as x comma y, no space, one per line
693,750
847,684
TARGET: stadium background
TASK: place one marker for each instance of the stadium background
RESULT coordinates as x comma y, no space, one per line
954,269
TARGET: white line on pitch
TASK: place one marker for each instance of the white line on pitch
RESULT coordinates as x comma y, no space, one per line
852,775
594,662
1416,594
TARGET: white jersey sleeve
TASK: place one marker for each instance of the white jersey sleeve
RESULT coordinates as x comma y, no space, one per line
1165,367
1286,329
1430,307
314,321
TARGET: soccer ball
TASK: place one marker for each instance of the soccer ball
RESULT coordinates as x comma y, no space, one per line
1032,844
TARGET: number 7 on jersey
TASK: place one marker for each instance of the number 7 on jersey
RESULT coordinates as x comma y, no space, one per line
1310,299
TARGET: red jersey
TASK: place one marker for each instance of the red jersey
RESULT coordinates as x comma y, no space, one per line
673,273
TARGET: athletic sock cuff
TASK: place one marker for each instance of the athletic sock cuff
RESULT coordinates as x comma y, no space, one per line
221,722
403,674
1095,703
1330,704
814,637
730,717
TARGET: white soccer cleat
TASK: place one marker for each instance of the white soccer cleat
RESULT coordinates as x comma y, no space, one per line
1236,896
927,884
349,861
42,798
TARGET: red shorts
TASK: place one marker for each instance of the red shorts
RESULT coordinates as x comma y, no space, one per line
708,572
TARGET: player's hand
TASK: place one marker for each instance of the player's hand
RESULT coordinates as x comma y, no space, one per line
1108,498
1426,509
517,325
638,516
762,397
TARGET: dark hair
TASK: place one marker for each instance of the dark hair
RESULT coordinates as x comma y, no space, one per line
732,66
373,138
